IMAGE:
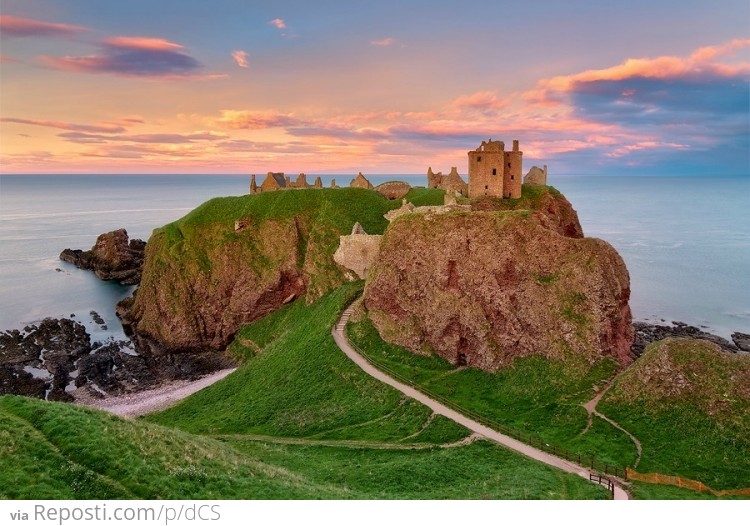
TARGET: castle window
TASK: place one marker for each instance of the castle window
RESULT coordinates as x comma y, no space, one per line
479,158
511,177
508,165
494,171
486,187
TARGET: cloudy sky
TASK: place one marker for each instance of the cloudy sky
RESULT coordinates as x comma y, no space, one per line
231,86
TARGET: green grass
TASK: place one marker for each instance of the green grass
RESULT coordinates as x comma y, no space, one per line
59,451
478,471
536,395
298,383
51,450
689,405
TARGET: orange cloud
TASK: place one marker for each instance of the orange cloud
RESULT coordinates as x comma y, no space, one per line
254,120
278,23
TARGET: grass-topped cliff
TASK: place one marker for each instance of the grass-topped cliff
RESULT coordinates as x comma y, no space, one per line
203,278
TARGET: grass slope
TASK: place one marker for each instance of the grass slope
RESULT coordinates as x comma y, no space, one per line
689,405
50,450
536,395
297,383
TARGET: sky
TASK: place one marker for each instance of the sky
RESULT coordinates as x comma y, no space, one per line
658,87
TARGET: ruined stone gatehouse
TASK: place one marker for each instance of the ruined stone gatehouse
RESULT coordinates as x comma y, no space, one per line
494,171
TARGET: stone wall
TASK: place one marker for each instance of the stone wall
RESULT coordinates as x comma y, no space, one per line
358,251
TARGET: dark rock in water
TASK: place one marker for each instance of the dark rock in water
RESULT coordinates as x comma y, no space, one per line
741,340
49,360
113,257
97,318
646,333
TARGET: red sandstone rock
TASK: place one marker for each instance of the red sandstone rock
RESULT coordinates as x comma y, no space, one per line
393,189
486,287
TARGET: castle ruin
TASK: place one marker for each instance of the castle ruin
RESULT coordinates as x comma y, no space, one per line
279,181
451,183
495,172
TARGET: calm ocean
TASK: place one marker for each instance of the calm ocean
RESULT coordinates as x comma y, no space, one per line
686,241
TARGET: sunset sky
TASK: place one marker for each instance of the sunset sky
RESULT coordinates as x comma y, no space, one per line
231,86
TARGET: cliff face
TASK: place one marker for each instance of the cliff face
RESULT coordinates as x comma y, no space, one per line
482,288
234,260
194,296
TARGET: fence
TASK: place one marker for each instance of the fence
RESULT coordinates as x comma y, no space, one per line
680,482
603,481
582,460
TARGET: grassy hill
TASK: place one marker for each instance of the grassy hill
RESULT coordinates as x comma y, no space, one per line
688,403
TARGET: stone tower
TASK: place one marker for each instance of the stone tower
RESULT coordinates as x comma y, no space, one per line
495,172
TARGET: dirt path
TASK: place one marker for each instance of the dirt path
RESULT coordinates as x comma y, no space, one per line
143,402
482,430
357,444
590,408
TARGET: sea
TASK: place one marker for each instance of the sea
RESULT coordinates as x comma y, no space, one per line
685,240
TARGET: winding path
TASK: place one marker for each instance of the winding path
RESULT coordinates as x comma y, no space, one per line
590,408
340,338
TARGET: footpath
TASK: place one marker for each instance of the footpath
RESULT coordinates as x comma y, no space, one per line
480,429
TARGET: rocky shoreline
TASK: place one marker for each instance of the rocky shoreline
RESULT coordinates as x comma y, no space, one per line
646,333
56,360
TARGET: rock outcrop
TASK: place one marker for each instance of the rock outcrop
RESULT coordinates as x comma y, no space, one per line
113,257
482,288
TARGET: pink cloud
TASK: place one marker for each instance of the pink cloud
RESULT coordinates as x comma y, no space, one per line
26,27
278,23
133,57
700,62
94,128
240,58
383,42
7,59
142,43
483,100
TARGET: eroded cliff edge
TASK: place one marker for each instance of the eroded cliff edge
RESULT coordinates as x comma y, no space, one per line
481,288
235,259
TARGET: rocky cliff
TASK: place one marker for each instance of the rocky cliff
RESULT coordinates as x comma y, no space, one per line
234,260
482,288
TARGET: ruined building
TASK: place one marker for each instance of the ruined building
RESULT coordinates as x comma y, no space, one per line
279,181
361,182
536,176
495,172
451,183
